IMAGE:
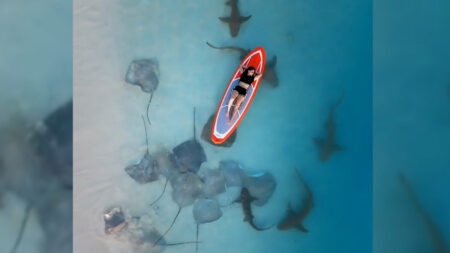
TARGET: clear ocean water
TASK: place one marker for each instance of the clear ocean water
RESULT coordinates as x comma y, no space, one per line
411,126
322,47
35,79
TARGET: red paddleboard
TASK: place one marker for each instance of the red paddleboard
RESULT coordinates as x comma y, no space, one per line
221,128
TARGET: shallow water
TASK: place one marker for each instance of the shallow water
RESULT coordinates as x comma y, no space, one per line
411,125
322,48
35,79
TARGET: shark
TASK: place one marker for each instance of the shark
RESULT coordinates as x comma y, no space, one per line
270,75
246,200
327,146
235,20
293,219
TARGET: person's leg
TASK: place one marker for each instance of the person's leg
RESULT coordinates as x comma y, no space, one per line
234,94
239,101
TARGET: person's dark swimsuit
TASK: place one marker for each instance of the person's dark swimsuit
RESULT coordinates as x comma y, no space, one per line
245,79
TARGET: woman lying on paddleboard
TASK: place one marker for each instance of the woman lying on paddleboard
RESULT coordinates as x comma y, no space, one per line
248,76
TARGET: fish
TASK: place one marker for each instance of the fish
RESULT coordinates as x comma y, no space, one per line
293,219
246,200
327,146
235,20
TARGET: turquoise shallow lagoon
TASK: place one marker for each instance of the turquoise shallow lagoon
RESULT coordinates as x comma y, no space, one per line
411,126
35,79
322,47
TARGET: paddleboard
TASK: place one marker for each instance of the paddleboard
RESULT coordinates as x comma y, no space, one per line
221,128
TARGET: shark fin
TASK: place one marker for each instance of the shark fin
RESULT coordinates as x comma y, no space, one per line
302,228
225,19
243,19
319,142
337,147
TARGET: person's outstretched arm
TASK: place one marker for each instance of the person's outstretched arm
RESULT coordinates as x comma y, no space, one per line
257,76
242,68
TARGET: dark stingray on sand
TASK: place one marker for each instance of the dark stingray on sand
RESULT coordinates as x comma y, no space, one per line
189,155
145,170
52,139
144,73
213,183
187,187
143,237
233,173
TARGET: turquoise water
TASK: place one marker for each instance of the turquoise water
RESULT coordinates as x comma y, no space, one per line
322,47
411,125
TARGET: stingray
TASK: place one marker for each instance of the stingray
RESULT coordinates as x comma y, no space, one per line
142,237
147,240
187,187
213,183
189,155
229,196
270,74
205,211
261,187
206,134
145,74
144,171
233,173
52,139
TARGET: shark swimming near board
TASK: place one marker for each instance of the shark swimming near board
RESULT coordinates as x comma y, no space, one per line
294,220
246,199
270,75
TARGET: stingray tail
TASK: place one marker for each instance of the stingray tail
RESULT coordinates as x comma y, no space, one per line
162,193
22,229
148,106
194,125
146,135
179,243
196,244
167,231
